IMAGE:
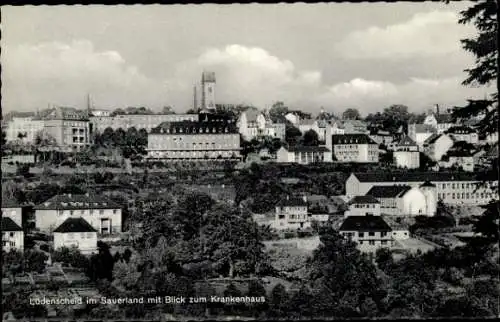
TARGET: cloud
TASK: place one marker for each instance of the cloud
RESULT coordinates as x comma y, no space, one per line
425,34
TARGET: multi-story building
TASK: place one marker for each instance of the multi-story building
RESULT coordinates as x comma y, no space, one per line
451,187
138,121
420,132
76,232
437,145
458,159
212,137
463,133
403,200
23,128
303,154
12,235
292,213
353,148
363,206
253,123
69,127
103,214
369,232
406,154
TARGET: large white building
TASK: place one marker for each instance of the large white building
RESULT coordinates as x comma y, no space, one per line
437,145
28,127
303,154
76,232
440,122
406,154
369,232
253,124
451,187
352,148
137,121
102,214
420,132
292,213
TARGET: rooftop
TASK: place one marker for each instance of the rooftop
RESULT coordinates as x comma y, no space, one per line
406,141
395,191
293,202
352,139
404,176
365,223
363,200
9,225
71,201
75,225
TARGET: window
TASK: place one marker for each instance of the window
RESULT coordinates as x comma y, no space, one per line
361,234
82,212
11,234
361,242
71,212
89,235
91,211
371,242
384,242
101,212
371,233
383,234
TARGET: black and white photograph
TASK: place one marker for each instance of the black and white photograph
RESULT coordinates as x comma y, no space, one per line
259,161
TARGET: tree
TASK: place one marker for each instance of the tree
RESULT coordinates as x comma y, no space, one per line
278,111
101,264
167,110
484,16
351,114
487,223
310,138
292,134
278,302
34,261
4,140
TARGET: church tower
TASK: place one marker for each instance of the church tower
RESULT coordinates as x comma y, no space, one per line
208,91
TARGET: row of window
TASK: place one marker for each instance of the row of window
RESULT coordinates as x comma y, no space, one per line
298,217
8,243
361,234
193,154
365,205
80,235
195,146
83,212
8,234
464,195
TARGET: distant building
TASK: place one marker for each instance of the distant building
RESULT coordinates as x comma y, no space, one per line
28,127
402,200
437,145
253,123
12,235
69,127
355,127
137,121
76,232
420,132
292,213
103,214
382,137
212,137
452,187
353,148
302,154
99,112
406,154
440,122
463,133
208,91
363,206
369,232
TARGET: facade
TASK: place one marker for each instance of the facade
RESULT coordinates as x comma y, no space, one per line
76,232
420,132
363,206
369,232
213,137
458,159
302,154
102,214
440,122
69,127
463,133
208,91
353,148
406,154
12,235
13,211
99,112
292,213
139,121
252,124
437,145
402,200
451,187
29,127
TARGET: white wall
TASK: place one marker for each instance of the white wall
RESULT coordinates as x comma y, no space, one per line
12,240
85,242
48,220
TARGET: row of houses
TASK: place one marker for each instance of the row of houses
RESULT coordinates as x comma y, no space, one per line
72,220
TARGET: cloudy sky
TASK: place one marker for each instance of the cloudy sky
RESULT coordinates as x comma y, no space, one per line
365,56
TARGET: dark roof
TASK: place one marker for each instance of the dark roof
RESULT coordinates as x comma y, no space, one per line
292,202
304,148
433,138
406,141
352,139
364,223
363,199
388,191
427,183
403,176
207,124
69,201
9,225
75,225
457,153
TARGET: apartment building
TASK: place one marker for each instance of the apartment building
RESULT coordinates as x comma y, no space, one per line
253,124
102,214
292,213
363,206
353,148
12,235
369,232
27,127
69,127
139,121
213,137
303,154
406,154
451,187
76,232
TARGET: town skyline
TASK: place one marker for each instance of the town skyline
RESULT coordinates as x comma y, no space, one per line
321,64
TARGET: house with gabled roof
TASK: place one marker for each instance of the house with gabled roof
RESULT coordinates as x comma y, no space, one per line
292,213
76,232
406,153
369,232
401,200
12,235
363,206
103,214
353,148
253,123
